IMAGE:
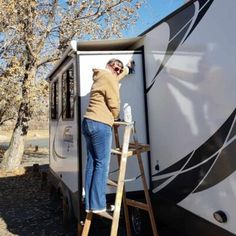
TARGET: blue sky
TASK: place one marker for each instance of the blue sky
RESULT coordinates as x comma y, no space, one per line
151,12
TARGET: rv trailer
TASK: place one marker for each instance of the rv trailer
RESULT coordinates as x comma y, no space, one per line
182,95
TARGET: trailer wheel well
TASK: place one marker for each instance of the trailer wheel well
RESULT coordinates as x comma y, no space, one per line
139,219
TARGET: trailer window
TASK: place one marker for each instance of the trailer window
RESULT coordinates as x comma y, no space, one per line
68,94
54,100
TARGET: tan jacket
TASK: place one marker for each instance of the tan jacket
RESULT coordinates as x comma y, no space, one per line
104,103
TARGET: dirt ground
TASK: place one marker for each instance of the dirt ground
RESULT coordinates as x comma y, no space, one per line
25,205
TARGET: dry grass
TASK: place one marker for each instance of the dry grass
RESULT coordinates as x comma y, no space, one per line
32,134
32,154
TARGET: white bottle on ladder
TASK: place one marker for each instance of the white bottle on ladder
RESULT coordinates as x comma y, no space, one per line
127,113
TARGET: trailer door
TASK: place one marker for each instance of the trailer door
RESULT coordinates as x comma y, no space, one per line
132,92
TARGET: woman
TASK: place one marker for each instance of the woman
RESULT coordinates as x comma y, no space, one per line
103,109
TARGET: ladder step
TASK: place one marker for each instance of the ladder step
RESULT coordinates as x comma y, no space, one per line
132,149
112,183
118,151
105,214
137,204
140,145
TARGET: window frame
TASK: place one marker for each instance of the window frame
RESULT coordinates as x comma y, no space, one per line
54,99
68,96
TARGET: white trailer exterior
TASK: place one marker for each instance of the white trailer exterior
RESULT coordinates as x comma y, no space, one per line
183,99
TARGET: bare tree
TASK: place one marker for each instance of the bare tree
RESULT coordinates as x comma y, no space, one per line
9,100
35,32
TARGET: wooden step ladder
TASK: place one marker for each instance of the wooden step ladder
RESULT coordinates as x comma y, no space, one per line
123,153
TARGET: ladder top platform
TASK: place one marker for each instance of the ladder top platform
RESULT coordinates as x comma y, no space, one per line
117,123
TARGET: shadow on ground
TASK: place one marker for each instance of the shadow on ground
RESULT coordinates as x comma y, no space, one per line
26,207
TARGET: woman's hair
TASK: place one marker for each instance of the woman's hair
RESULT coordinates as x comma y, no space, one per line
113,61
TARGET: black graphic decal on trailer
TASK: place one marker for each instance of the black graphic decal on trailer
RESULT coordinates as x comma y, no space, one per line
185,182
179,26
202,11
206,165
213,144
176,167
225,164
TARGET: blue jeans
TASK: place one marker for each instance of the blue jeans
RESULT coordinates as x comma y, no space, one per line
99,140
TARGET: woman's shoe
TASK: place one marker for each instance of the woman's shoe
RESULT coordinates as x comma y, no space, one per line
98,211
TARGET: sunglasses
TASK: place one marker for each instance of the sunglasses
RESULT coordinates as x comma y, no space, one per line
117,67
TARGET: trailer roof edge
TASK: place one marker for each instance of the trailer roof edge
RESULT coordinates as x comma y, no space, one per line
64,55
105,44
167,17
92,45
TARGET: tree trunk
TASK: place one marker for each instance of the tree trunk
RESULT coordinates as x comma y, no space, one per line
13,156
